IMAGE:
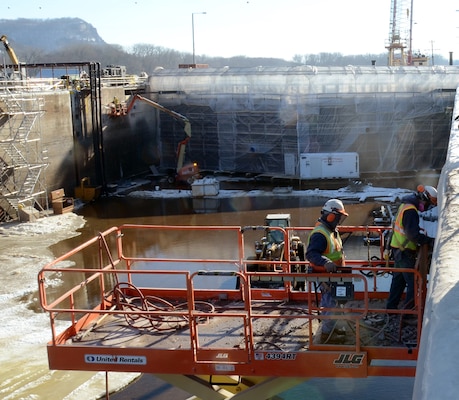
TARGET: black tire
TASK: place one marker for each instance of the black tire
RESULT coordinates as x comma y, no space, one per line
252,267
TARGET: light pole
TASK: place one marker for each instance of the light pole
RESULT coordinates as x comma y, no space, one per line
192,30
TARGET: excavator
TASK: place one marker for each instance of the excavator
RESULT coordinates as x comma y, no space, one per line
184,173
14,59
11,54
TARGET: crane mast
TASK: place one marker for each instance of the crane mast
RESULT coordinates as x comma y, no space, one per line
398,33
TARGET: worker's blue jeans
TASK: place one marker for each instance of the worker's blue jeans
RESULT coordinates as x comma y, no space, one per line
402,280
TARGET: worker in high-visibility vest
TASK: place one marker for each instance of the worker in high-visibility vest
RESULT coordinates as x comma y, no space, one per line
406,239
325,255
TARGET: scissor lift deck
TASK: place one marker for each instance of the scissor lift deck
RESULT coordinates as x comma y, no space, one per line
116,325
217,332
223,345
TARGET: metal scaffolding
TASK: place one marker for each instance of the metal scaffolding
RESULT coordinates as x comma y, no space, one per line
262,120
22,158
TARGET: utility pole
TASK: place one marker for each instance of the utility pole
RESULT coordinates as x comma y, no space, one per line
431,51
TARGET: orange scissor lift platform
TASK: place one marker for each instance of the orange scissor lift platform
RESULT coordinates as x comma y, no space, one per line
141,298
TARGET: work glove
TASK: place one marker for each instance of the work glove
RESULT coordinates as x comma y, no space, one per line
330,266
386,254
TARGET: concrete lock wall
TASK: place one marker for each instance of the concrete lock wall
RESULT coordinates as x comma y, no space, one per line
130,142
57,140
436,373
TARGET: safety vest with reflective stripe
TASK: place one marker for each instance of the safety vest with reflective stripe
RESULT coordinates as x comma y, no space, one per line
334,250
399,239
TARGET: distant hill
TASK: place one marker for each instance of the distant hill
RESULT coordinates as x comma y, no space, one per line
48,34
75,40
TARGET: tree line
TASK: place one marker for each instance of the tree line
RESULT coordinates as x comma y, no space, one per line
143,57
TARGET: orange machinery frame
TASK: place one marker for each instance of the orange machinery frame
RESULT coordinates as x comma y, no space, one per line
114,260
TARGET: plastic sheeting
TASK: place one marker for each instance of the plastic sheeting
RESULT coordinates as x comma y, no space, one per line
257,120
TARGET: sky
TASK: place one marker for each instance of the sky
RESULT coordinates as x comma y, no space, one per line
254,28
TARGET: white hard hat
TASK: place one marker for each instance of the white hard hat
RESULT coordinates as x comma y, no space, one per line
334,206
428,193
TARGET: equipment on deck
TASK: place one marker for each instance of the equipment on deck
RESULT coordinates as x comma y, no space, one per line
271,247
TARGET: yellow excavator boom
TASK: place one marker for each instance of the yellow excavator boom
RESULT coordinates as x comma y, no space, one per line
14,59
174,114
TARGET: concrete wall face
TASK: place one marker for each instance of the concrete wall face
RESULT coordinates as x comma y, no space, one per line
436,372
57,140
130,142
251,120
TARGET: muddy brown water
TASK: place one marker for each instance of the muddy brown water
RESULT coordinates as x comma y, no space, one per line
242,211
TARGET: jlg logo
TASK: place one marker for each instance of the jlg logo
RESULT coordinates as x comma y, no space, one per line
349,360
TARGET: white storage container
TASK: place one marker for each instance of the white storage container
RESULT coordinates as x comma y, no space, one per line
329,165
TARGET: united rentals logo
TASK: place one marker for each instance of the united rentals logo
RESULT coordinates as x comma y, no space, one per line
349,360
109,359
